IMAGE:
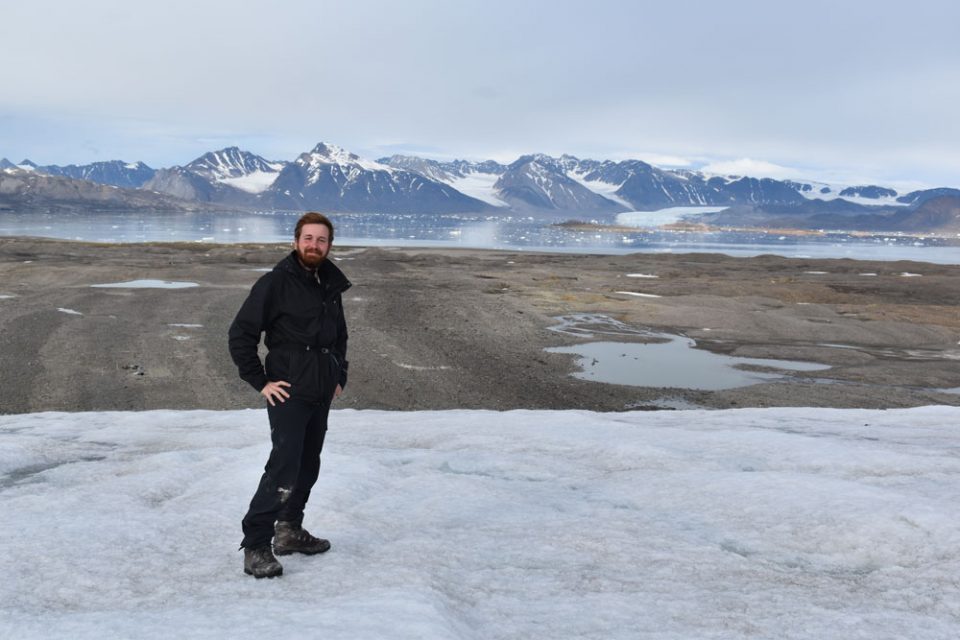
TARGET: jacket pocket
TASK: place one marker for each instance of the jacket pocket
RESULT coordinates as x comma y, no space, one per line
308,375
277,365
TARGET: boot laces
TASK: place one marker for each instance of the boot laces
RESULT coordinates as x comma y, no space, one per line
302,535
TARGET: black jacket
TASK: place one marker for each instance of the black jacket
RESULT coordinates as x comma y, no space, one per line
302,315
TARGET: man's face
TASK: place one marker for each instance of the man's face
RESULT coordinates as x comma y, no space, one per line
313,245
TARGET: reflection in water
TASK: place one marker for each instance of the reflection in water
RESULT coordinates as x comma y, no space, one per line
668,360
458,230
674,363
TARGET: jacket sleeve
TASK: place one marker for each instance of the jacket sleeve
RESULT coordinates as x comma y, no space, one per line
341,346
244,333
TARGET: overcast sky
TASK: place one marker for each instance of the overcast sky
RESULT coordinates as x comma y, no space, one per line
849,91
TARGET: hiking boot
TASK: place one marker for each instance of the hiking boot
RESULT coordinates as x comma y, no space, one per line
290,537
261,563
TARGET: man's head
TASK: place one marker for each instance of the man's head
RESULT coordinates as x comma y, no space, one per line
313,238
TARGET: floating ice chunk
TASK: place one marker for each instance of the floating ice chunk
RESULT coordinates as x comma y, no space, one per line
6,296
907,274
641,275
817,273
69,311
868,274
185,325
638,295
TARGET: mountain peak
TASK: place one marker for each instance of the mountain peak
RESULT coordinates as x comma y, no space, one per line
327,154
540,159
334,153
232,163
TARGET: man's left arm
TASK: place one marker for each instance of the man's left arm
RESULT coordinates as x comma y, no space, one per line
341,345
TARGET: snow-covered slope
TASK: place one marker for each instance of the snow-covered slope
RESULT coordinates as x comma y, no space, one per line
868,195
237,168
475,179
781,523
331,178
129,175
540,182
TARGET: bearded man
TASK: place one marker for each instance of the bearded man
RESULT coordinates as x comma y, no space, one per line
298,306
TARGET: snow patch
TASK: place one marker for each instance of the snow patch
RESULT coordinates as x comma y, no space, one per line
478,185
758,523
255,182
146,284
606,189
414,367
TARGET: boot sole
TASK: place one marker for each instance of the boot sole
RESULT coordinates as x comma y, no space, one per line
282,552
264,575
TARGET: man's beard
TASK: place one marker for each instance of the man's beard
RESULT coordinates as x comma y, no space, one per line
311,260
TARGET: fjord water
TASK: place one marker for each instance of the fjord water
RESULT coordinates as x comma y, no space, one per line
512,232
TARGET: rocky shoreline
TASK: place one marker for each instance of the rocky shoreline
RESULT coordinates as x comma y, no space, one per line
449,329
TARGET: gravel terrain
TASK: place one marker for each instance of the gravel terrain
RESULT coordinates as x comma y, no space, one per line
444,328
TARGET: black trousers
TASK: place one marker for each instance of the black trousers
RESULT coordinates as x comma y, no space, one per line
297,430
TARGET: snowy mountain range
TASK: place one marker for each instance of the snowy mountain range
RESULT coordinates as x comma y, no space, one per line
333,179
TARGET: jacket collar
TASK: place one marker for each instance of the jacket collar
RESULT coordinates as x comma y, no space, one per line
328,273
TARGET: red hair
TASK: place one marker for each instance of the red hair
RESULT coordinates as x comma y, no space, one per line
312,217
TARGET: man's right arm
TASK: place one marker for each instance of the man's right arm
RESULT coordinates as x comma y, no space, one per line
244,333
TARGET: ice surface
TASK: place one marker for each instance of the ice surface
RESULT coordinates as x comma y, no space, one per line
756,523
670,215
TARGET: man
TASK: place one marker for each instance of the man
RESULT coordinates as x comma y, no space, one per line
298,304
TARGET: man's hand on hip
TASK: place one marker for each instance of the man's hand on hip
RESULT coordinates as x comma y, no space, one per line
275,390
